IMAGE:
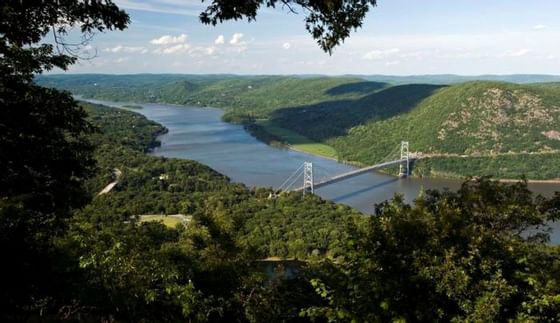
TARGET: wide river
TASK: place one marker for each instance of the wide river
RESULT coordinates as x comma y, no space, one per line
200,134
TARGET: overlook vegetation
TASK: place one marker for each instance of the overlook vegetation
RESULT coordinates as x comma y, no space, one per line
469,129
450,256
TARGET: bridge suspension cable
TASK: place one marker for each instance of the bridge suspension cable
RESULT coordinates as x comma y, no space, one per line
398,156
392,155
296,173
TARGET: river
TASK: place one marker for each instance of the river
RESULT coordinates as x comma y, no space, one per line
200,134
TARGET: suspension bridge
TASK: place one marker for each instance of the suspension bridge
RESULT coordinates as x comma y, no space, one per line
310,183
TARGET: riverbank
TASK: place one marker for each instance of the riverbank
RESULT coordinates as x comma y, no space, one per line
278,137
288,139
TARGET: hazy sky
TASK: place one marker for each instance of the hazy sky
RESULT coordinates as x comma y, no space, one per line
398,37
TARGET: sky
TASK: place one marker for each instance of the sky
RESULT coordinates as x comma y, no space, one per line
398,37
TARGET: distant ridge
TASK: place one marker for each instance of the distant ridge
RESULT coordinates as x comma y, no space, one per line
439,79
452,78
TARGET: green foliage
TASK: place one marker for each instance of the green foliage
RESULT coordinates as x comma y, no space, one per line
507,124
138,134
208,271
533,166
44,161
45,156
450,256
24,24
458,257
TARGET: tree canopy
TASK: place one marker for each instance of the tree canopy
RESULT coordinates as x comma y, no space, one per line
25,24
45,155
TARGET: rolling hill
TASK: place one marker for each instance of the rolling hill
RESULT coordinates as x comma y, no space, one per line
241,96
480,128
474,128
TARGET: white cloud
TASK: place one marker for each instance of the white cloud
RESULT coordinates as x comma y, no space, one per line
202,51
539,27
377,54
236,39
392,63
516,53
121,60
237,49
126,49
286,45
176,49
220,40
169,40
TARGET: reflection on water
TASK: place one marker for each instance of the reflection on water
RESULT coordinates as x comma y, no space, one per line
199,134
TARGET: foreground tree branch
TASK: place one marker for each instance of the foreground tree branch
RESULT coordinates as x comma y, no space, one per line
329,22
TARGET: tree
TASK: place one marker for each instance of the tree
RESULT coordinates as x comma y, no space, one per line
25,24
328,21
464,256
45,155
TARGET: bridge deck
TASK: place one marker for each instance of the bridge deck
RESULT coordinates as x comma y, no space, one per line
353,173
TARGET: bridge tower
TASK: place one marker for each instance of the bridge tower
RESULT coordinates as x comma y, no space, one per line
404,168
307,177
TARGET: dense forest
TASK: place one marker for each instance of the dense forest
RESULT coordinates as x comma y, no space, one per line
470,129
479,254
467,129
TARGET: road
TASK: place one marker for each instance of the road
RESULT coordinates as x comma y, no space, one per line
111,185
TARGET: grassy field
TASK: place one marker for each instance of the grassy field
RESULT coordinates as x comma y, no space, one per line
168,221
298,141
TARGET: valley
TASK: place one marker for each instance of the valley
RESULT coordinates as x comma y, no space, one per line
477,128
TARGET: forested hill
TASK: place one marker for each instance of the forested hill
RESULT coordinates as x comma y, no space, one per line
240,95
474,128
468,129
452,79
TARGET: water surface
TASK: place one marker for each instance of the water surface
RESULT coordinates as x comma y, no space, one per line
199,134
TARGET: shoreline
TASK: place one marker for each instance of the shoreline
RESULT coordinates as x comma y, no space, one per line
359,165
529,181
350,163
292,148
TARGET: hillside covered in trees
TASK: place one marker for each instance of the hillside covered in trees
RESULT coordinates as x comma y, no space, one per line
464,256
468,129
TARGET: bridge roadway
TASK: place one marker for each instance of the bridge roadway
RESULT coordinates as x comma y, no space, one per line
353,173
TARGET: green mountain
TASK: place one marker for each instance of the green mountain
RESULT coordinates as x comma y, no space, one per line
467,129
241,96
482,128
451,78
